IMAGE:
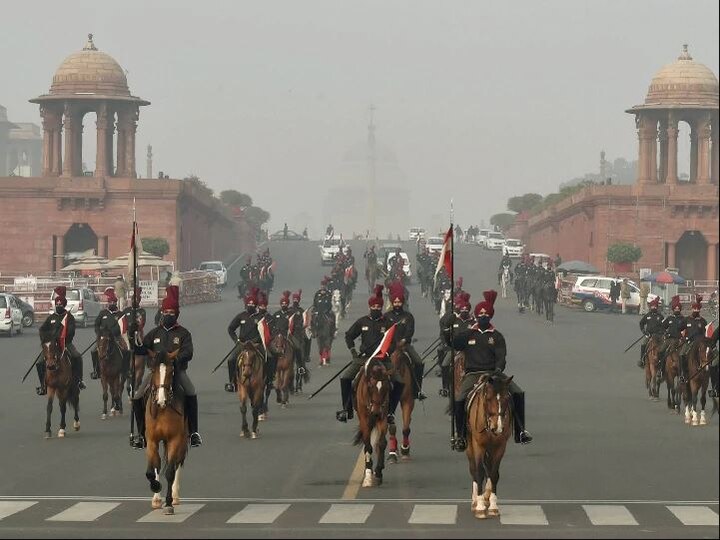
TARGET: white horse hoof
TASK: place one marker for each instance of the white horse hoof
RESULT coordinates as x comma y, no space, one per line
48,435
261,417
703,420
76,426
283,406
156,502
254,435
176,501
61,433
169,511
481,514
103,416
242,434
493,512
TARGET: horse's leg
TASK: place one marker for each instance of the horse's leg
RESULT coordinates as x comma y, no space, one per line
367,445
63,410
703,399
48,410
176,486
170,469
104,384
153,470
693,402
494,480
380,444
478,456
407,410
243,411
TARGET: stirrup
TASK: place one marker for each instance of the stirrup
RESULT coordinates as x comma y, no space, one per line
420,395
229,387
40,390
525,437
341,416
459,444
195,440
94,376
138,442
82,385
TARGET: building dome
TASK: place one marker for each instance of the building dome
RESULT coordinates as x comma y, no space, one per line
90,72
684,83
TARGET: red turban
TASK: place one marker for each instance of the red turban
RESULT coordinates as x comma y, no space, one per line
60,293
486,307
376,299
172,299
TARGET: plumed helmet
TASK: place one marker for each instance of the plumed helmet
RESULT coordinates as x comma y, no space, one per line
675,303
486,307
262,299
297,296
376,299
110,295
251,297
655,302
285,298
60,292
697,305
397,292
172,299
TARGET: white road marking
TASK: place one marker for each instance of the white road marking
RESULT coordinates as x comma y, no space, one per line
609,514
84,511
347,513
259,513
356,477
525,514
8,508
182,512
434,514
695,515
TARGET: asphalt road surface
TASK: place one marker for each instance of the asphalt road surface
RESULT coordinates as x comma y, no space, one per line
605,462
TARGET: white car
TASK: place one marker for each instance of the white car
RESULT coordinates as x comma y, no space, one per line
495,241
544,258
416,233
329,249
406,263
218,268
593,292
82,304
482,237
513,248
434,244
10,315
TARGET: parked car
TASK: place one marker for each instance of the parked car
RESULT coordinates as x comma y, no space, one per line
82,303
434,244
218,268
329,250
544,258
513,248
291,235
416,233
495,241
482,236
28,312
10,315
593,293
406,265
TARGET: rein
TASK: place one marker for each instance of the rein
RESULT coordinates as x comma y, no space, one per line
481,389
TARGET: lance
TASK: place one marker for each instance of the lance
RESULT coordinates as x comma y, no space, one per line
133,322
634,343
223,360
331,380
431,346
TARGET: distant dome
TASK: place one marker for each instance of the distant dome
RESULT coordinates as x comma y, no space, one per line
90,72
685,83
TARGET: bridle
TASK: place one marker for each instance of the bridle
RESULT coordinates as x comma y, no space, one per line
52,350
500,415
377,384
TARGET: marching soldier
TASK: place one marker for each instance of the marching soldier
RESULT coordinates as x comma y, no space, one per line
651,325
485,351
164,339
60,326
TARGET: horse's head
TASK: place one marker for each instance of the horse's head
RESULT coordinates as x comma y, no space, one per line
277,345
496,402
103,343
377,379
51,353
336,296
162,378
446,294
246,362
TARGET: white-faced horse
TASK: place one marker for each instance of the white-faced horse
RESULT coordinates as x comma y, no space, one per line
505,280
337,307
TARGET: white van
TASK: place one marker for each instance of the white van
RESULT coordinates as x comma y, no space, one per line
593,293
218,268
82,303
482,236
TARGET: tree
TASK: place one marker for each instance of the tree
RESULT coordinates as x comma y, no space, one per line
201,186
503,221
156,246
525,202
621,252
232,197
256,216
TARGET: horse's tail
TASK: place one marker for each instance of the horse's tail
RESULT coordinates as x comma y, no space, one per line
358,438
73,395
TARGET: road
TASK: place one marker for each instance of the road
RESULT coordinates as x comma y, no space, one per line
605,462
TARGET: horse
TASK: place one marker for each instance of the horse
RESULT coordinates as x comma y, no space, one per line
350,279
165,422
324,324
110,360
672,377
505,280
337,306
371,273
489,416
538,296
520,292
284,353
443,303
250,381
698,378
402,366
372,399
59,381
652,373
549,297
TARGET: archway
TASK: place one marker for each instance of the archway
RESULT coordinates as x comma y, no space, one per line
691,255
78,239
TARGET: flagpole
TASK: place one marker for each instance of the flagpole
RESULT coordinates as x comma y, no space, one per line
452,311
133,320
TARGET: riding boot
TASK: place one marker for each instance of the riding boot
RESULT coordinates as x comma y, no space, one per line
346,412
683,368
418,368
138,410
96,364
460,425
42,389
77,370
191,411
641,362
126,362
230,386
713,392
521,436
445,373
395,396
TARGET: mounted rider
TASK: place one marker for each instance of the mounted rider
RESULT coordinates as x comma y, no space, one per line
322,301
297,334
370,329
245,276
695,326
404,333
107,325
505,262
485,351
168,338
651,325
450,324
673,326
60,327
243,329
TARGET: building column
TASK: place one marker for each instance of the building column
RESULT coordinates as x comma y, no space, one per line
78,165
110,132
714,150
69,122
712,261
671,255
663,141
101,147
56,137
653,143
48,124
130,143
121,143
672,151
703,166
103,246
693,150
645,139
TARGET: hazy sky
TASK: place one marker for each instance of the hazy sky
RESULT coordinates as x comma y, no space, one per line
479,100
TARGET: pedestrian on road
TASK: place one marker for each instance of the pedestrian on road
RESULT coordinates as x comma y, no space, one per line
120,292
644,292
614,295
624,295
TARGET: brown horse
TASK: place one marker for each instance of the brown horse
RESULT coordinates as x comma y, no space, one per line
250,382
372,399
652,373
459,373
60,382
675,390
284,368
401,365
165,422
489,428
698,378
110,360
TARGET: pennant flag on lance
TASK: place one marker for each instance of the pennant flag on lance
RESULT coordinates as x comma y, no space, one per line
384,347
446,255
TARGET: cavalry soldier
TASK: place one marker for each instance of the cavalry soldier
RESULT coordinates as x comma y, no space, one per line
506,262
370,329
140,316
245,276
298,338
651,325
713,359
60,326
695,326
349,258
281,318
673,326
485,351
168,338
262,313
107,325
404,332
243,329
451,324
322,302
396,262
